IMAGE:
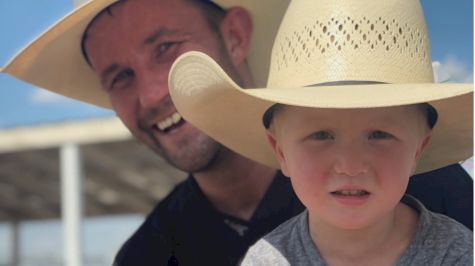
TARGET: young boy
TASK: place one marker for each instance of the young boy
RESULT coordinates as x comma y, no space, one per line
351,112
350,168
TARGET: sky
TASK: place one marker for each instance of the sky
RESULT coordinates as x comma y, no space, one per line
450,26
449,22
20,22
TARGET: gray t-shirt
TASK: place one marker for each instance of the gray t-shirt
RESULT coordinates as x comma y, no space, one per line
439,240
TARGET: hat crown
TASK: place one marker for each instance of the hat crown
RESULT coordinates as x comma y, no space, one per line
323,41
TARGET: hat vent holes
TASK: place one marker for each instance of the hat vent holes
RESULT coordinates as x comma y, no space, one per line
347,34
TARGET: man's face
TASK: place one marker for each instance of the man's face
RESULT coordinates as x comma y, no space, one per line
132,49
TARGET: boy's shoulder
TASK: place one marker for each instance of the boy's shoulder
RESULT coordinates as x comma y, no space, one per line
436,225
286,233
288,244
439,240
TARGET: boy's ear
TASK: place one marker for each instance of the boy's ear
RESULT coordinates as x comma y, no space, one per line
236,29
277,152
424,145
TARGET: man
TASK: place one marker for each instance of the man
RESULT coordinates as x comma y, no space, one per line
228,201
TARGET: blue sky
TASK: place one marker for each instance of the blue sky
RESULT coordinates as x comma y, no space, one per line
450,27
20,22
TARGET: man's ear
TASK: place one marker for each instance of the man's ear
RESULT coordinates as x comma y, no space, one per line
276,148
236,29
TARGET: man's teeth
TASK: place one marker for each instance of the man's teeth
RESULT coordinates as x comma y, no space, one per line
169,121
351,192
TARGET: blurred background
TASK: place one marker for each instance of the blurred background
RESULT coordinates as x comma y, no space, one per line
121,179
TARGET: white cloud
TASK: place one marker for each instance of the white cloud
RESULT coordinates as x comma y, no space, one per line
41,96
451,70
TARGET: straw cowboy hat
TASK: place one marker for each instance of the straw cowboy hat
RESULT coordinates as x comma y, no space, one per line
54,61
323,42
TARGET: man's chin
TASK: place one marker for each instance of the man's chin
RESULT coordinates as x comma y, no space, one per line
191,164
191,156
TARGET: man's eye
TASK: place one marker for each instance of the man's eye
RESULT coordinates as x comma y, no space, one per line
121,77
322,135
163,47
162,51
378,134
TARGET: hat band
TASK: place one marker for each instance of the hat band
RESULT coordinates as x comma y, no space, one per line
268,114
430,111
346,82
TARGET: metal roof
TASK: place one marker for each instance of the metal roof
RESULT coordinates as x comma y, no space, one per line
120,175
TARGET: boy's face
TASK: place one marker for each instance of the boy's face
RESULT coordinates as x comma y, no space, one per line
350,167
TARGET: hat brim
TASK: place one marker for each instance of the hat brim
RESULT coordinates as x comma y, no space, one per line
54,61
209,99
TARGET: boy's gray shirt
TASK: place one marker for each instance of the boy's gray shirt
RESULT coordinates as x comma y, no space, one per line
439,240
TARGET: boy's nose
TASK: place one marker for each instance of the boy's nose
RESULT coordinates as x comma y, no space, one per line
351,161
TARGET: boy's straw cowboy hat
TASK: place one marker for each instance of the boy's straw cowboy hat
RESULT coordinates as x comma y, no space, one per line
54,61
322,42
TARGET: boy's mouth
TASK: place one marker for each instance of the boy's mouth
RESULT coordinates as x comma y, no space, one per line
350,193
351,197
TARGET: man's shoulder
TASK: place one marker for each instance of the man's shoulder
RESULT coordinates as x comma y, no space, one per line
153,232
449,176
178,199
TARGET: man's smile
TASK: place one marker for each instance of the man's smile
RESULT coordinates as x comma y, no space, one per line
169,123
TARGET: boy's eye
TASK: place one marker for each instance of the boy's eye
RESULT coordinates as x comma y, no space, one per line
121,77
322,135
378,134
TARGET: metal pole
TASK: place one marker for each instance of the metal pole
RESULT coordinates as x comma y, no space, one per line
71,204
16,243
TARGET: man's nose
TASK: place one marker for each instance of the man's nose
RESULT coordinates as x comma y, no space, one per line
152,88
351,160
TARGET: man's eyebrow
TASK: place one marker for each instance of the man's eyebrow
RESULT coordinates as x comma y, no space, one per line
156,35
109,70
